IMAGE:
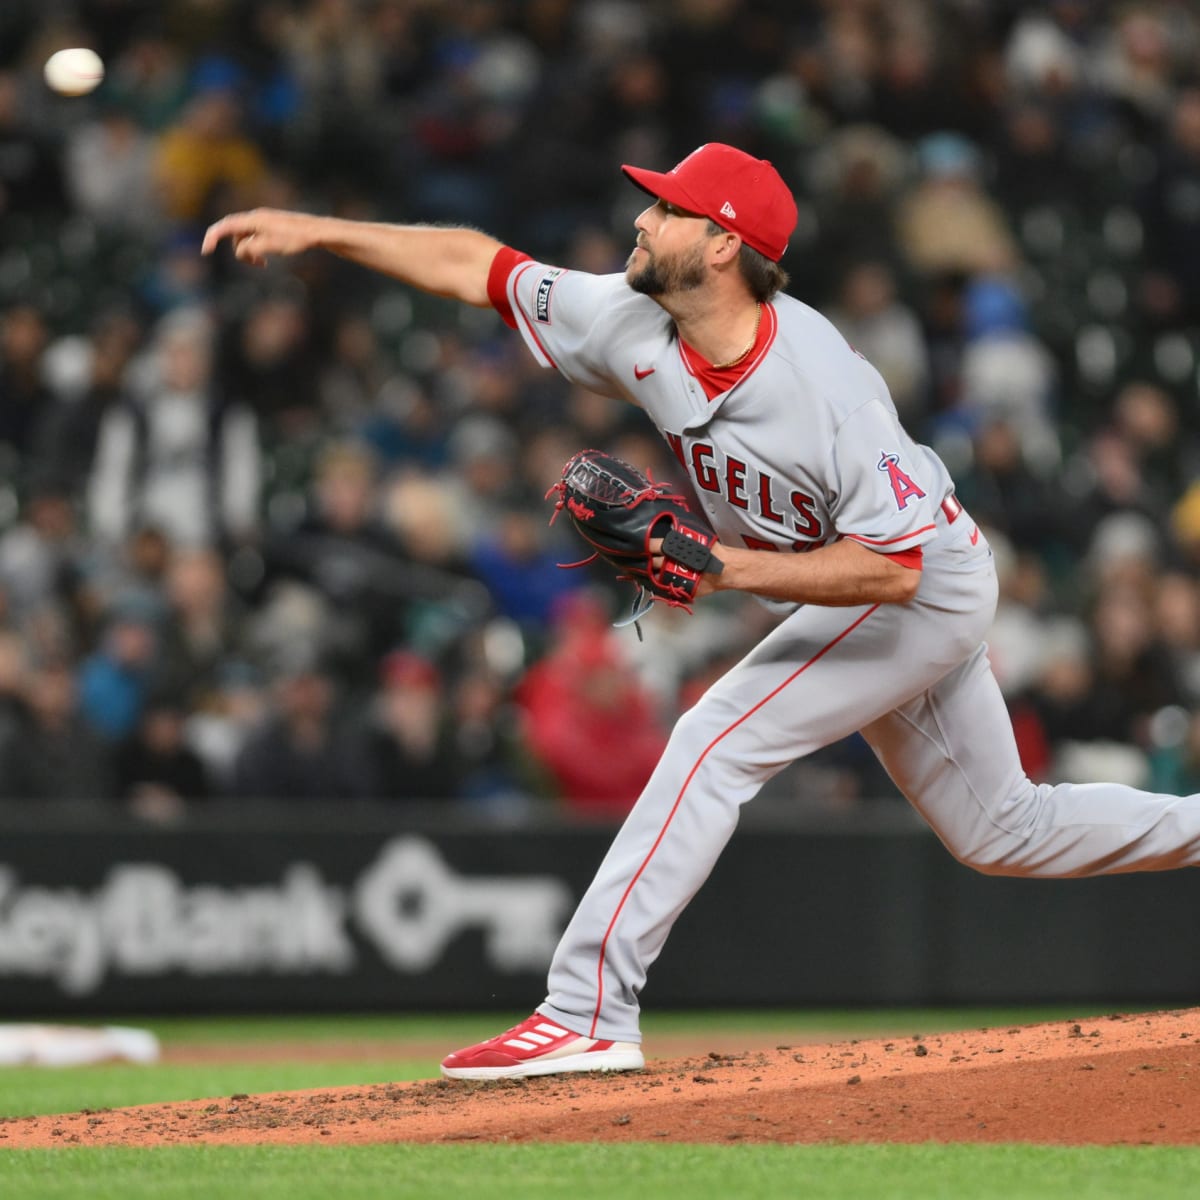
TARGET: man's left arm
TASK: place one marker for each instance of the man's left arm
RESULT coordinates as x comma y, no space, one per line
882,512
843,574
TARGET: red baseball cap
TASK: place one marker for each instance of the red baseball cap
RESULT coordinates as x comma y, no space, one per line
741,193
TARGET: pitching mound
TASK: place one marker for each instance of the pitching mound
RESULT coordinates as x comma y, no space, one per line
1118,1079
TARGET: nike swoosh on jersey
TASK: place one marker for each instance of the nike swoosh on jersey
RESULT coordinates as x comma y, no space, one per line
639,374
975,536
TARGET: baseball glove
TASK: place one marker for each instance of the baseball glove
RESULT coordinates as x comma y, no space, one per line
618,511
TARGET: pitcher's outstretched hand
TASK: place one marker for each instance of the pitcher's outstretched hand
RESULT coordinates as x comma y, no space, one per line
260,233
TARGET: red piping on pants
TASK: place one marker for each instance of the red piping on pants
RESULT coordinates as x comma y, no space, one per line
678,800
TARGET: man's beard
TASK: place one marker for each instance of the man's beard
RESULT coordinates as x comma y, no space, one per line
662,276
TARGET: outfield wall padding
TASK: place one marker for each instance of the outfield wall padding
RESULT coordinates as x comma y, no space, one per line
371,908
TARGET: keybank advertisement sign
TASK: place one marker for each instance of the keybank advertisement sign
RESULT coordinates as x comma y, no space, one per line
402,912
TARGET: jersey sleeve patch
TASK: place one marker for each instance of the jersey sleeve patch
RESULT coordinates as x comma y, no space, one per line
903,487
541,300
503,264
579,324
876,475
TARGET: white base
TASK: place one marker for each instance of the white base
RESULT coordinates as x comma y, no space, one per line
74,1045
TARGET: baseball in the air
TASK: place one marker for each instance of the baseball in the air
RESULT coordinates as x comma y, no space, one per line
74,72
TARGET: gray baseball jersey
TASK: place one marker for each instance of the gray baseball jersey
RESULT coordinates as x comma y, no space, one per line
803,448
833,460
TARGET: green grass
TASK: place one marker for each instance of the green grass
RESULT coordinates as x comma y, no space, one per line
27,1091
585,1172
453,1028
494,1172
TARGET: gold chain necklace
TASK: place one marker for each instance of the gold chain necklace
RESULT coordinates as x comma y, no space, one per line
733,362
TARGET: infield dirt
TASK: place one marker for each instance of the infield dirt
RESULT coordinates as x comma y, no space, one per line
1119,1079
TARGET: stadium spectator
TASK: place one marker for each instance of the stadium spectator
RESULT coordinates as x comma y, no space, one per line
521,570
56,754
109,166
116,679
1135,66
14,682
345,551
155,771
888,333
89,376
44,558
496,772
996,206
947,223
1177,619
587,720
1134,678
24,394
1007,373
1008,496
854,178
267,365
1177,763
205,161
31,175
354,376
1049,48
174,454
1171,220
230,714
149,77
484,455
203,629
305,750
410,741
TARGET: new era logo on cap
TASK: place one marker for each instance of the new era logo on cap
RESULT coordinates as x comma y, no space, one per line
706,182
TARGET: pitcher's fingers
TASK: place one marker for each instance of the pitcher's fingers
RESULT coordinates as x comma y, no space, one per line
244,250
228,226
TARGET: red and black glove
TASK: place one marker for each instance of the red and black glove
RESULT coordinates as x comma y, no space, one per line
618,511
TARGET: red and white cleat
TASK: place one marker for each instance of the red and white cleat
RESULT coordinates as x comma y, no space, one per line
539,1046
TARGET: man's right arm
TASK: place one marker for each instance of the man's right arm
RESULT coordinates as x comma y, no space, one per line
442,261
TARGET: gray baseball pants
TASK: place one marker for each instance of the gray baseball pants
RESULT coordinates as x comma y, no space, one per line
915,680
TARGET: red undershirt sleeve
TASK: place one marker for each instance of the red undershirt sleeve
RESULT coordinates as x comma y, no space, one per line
497,285
907,558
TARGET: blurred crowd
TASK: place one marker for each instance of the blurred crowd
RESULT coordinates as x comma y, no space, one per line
284,534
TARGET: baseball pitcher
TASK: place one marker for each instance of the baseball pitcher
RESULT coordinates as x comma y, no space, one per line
821,505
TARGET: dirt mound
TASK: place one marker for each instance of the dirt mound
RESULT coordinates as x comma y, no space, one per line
1118,1079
